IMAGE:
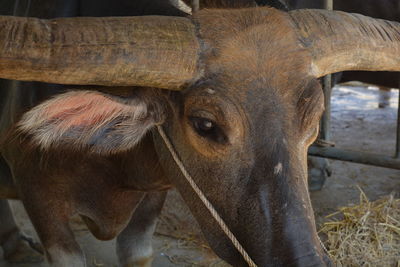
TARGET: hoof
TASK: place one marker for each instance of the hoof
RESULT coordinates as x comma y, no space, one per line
383,105
316,183
318,170
24,251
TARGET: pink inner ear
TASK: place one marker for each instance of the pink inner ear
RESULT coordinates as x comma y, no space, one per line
83,109
87,119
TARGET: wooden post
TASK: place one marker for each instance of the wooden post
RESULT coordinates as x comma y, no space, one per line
327,87
195,5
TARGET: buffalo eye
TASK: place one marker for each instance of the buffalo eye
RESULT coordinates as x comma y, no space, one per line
208,129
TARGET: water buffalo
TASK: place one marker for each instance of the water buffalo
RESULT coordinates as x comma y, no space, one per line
241,104
17,97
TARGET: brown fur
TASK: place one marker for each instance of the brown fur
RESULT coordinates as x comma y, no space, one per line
257,92
257,89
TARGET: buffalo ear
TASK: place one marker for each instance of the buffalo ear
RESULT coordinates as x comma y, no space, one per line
92,120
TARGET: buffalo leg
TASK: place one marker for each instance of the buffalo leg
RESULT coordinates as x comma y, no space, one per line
51,223
134,243
318,170
384,97
17,248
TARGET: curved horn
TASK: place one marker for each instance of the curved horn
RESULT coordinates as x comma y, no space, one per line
341,41
148,51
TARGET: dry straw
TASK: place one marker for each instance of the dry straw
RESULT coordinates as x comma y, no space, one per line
367,234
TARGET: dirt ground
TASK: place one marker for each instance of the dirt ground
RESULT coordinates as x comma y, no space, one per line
357,124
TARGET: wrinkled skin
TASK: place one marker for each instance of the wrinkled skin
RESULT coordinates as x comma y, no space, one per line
242,132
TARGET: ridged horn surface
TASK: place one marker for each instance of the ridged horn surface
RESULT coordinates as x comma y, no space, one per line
150,51
340,41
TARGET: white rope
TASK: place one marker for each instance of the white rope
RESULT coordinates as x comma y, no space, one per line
204,199
323,246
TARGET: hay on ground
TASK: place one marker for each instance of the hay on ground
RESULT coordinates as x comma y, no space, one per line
367,234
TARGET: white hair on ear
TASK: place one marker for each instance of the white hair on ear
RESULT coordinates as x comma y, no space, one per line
90,119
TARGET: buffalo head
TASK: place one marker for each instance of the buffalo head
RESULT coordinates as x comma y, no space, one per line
242,105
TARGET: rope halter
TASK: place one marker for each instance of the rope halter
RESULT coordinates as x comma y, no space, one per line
204,199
